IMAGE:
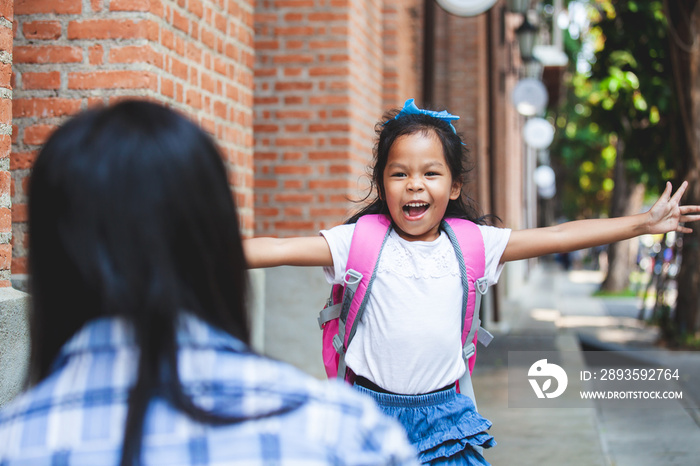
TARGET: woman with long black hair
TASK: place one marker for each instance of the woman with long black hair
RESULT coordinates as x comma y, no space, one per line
139,325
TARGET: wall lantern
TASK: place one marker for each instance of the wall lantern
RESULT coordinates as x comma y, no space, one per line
519,6
532,68
466,7
527,33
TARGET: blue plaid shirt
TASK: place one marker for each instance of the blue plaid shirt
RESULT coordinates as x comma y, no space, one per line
76,415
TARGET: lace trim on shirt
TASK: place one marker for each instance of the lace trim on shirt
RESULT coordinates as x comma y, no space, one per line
399,258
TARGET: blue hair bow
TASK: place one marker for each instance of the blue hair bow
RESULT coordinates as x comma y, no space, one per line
409,108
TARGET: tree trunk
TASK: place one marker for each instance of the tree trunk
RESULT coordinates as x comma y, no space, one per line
627,199
684,32
687,316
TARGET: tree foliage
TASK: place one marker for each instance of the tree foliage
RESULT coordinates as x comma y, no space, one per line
619,103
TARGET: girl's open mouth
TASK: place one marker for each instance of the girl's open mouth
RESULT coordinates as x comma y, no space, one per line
415,209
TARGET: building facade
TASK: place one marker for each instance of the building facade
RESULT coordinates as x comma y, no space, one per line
290,89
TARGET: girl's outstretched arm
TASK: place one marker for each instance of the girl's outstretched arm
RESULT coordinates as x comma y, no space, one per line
273,252
665,215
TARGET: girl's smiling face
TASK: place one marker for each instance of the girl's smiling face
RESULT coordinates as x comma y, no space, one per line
418,186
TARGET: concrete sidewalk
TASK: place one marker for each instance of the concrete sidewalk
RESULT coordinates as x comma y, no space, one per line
554,312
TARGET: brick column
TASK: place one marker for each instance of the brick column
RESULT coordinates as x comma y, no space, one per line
5,134
318,93
403,52
461,74
14,330
196,56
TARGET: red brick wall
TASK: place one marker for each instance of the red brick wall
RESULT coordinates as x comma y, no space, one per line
196,55
6,16
318,93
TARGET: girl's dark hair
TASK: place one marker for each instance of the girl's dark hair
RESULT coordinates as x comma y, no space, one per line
131,214
456,156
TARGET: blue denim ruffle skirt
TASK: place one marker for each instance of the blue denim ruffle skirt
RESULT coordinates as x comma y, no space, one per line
443,426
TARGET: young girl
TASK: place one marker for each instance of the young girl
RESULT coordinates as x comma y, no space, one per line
406,352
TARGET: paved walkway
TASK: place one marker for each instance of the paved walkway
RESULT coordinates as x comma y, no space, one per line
554,313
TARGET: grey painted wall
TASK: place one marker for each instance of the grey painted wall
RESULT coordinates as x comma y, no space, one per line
293,298
14,342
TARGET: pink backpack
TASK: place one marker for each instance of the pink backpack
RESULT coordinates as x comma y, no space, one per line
347,302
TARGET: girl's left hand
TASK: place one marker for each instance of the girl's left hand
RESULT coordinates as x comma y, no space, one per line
668,215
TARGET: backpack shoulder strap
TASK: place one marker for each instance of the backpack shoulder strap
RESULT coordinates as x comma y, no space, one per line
469,247
367,242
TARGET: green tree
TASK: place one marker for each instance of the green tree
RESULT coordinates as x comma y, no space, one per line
584,156
623,107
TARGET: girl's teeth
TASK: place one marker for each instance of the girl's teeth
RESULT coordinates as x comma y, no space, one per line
414,209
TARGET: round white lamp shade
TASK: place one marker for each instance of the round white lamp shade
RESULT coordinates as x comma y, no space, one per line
544,177
538,133
545,181
466,7
530,97
547,193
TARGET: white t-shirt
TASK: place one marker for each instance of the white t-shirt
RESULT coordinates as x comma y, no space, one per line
409,338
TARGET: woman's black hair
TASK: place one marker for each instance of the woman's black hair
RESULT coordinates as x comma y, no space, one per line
456,155
131,214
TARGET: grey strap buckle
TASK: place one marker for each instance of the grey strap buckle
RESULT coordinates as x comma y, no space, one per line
484,336
352,279
482,285
468,351
338,344
329,313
